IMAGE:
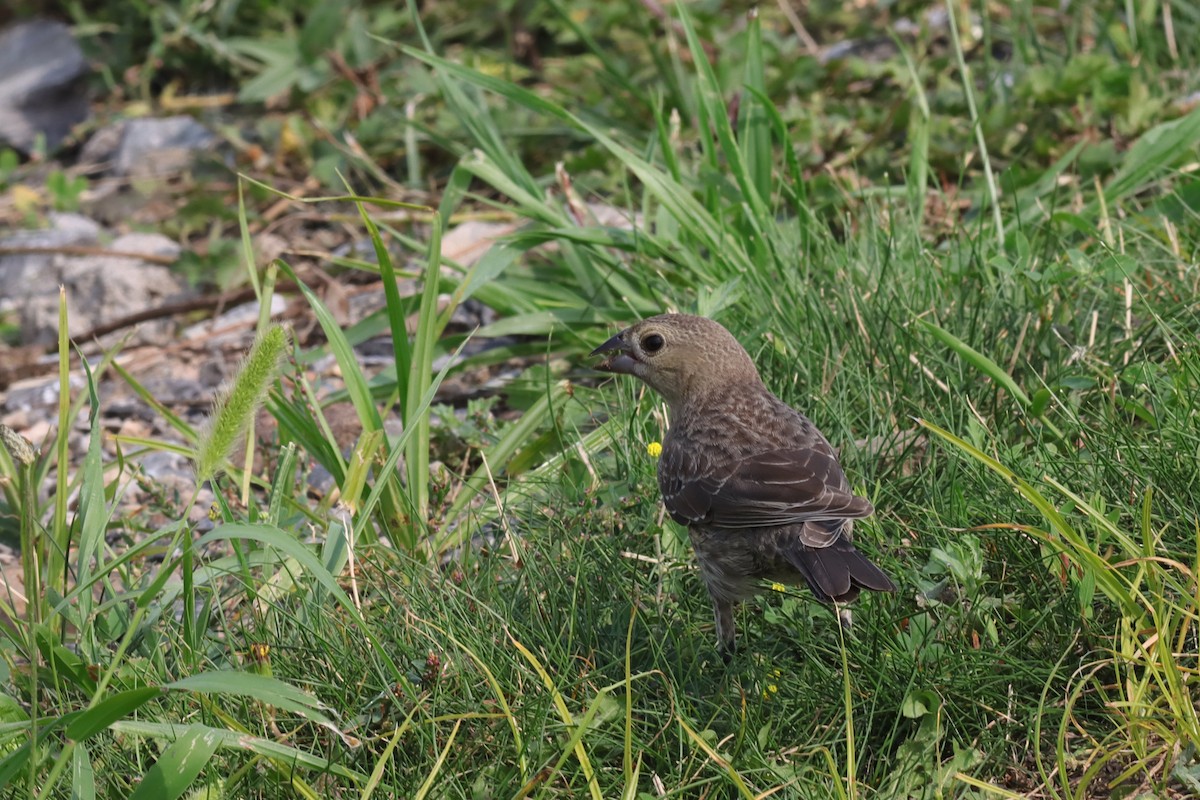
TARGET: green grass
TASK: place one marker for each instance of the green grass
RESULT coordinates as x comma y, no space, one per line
1006,357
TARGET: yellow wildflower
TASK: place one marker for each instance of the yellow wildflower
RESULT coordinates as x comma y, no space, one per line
778,587
654,449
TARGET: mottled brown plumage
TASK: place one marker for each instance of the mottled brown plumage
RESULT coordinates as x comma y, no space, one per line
757,485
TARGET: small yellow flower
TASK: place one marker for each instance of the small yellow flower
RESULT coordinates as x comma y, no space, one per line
778,587
654,449
772,688
260,658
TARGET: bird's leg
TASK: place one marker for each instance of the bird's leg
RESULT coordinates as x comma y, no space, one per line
726,629
845,617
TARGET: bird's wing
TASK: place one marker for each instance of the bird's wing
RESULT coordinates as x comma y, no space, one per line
775,488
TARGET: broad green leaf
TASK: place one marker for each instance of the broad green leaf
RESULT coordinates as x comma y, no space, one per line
109,710
178,766
83,774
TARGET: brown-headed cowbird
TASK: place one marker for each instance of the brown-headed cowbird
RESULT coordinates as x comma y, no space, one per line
757,485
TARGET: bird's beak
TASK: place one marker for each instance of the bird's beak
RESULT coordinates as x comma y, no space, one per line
621,360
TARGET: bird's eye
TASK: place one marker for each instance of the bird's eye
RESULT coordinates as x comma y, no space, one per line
653,343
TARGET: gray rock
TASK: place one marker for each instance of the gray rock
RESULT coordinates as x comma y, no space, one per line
23,275
42,89
35,396
233,326
84,229
100,288
147,147
152,244
171,471
176,392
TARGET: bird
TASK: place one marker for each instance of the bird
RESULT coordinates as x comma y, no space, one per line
757,485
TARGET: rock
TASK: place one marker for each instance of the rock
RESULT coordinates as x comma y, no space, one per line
25,274
17,419
77,227
179,392
147,147
234,326
100,288
171,470
35,397
42,91
104,288
66,230
39,433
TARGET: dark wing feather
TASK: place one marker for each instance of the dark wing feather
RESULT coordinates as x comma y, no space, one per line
771,489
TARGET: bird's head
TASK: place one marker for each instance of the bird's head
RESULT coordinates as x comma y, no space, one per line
683,358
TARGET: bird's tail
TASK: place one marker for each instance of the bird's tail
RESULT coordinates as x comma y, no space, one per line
839,572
